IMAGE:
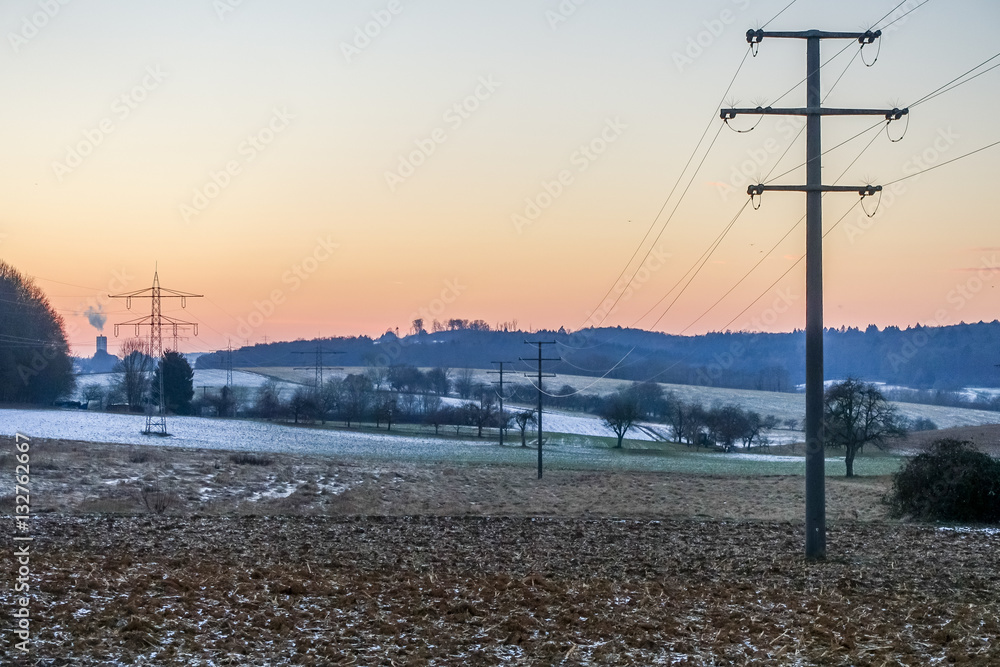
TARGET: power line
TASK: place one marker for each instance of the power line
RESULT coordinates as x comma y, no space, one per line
583,389
680,177
783,10
956,159
941,90
903,16
773,248
696,267
789,269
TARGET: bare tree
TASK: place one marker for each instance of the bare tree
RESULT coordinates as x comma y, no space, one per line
355,398
485,413
304,404
132,372
726,424
755,427
465,383
377,376
268,401
438,380
95,393
523,420
856,413
619,412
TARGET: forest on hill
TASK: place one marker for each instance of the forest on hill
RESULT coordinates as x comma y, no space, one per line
927,358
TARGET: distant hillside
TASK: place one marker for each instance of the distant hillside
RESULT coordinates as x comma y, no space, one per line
939,358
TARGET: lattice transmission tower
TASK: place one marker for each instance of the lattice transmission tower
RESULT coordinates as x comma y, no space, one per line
156,418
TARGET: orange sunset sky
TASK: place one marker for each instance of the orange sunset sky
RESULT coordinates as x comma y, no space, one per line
325,169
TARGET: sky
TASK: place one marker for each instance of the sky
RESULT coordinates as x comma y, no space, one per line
320,169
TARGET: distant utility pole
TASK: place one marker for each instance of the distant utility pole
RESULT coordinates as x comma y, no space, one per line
229,365
155,321
319,364
500,393
540,343
814,189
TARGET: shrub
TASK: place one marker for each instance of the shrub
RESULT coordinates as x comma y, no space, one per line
155,499
136,455
249,459
951,482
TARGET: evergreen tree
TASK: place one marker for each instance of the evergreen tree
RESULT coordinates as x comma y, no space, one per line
178,383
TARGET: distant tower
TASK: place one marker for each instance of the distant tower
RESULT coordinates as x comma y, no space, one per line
102,345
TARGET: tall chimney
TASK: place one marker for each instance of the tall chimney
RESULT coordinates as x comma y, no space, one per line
102,344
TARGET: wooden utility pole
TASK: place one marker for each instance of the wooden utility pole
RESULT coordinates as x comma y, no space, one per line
540,359
500,394
814,189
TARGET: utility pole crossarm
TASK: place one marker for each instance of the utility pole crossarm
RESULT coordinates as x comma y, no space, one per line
866,37
863,190
889,114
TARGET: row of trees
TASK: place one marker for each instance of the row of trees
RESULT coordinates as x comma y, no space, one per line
723,426
359,398
134,386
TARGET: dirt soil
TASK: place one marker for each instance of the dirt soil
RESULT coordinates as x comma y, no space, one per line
433,565
80,477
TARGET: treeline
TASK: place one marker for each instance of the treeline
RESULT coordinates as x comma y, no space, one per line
399,394
943,359
949,399
403,394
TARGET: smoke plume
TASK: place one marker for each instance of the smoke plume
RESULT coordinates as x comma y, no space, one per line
96,317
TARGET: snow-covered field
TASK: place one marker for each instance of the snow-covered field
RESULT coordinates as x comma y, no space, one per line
211,378
224,434
975,393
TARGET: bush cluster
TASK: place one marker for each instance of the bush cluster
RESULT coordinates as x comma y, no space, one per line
951,482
